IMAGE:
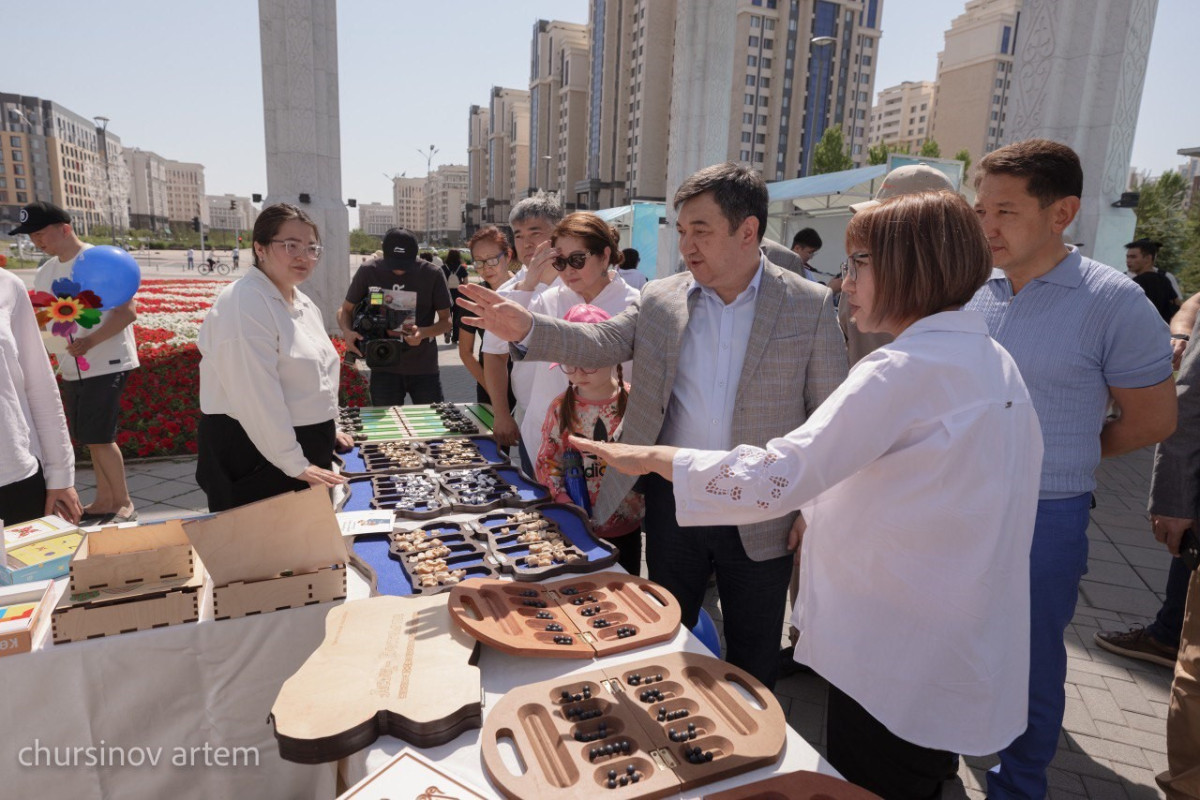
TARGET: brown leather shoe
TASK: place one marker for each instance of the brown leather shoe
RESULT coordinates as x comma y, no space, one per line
1136,643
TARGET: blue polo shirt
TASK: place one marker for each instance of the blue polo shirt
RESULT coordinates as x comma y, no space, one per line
1075,331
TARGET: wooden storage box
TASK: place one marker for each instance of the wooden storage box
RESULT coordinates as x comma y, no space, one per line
282,552
18,620
138,607
117,558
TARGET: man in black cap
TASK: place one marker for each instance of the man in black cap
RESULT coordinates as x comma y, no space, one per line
416,290
92,386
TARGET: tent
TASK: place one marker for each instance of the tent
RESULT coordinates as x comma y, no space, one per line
638,226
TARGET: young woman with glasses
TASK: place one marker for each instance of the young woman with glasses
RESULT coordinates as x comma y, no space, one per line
490,255
918,479
268,374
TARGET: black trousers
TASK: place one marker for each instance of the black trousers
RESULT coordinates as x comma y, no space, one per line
753,593
233,473
629,551
24,500
871,756
390,388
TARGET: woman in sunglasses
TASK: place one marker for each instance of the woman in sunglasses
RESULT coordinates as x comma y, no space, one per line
586,254
918,478
268,374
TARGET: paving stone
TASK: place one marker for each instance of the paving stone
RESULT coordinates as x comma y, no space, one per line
1158,761
1103,550
1098,789
163,490
1129,696
1129,735
1160,709
1066,781
1119,598
1077,719
1062,794
192,501
1145,722
1113,751
1101,705
1079,763
1155,684
1139,783
1146,554
1153,577
1117,574
1095,668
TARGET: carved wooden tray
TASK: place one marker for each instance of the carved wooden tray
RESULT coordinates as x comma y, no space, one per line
649,729
413,455
542,542
430,494
581,617
799,785
440,554
388,666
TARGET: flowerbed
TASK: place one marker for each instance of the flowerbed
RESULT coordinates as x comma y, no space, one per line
160,408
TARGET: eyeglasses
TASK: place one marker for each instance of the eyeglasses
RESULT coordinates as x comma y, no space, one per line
574,261
294,247
480,261
853,264
569,370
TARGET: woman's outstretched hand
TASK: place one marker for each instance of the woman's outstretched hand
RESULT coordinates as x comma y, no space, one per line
630,459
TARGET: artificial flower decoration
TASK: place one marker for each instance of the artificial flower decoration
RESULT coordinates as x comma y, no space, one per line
69,308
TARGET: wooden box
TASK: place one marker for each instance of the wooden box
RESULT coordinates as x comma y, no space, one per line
282,552
138,607
117,558
18,620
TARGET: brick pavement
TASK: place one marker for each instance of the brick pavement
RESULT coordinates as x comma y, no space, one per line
1113,740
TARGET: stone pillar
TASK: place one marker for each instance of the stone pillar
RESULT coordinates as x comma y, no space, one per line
300,110
701,85
1078,75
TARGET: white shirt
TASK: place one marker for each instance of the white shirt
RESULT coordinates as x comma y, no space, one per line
545,384
116,354
523,372
31,413
711,355
919,480
634,278
269,365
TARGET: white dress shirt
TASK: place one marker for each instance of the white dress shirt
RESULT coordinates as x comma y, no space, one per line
522,376
269,365
918,478
546,384
711,356
31,413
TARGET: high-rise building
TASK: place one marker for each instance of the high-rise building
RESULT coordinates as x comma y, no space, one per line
185,193
447,200
478,128
974,78
558,84
27,130
375,218
147,189
408,198
902,115
508,152
229,212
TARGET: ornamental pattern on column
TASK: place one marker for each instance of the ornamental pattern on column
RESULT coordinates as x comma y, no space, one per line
1033,64
1128,97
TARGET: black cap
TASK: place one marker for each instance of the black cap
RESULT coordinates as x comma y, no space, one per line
1145,245
399,247
36,216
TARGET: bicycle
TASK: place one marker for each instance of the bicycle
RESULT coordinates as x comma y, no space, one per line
207,267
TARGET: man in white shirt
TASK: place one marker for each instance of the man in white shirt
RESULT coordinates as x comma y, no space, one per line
92,386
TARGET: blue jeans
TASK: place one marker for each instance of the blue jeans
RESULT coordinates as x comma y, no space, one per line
389,389
1169,623
1057,560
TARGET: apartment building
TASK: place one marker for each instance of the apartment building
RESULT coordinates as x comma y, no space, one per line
229,212
147,189
447,198
902,115
185,193
25,141
478,127
408,200
375,218
558,103
508,152
974,78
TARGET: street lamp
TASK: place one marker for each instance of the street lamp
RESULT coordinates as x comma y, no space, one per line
816,42
428,200
102,123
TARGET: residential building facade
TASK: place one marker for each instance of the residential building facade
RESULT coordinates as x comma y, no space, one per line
185,193
147,189
558,85
447,199
508,152
375,219
229,212
974,78
902,116
408,200
478,128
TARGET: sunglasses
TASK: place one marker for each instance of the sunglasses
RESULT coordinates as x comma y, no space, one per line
574,261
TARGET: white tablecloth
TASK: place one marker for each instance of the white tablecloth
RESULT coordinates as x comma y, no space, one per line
172,692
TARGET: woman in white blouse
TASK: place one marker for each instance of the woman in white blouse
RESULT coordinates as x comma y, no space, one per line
269,374
918,479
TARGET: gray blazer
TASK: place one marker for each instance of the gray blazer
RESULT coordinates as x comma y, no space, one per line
1175,482
795,358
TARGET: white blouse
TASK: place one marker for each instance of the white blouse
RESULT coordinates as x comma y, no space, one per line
31,413
269,365
918,478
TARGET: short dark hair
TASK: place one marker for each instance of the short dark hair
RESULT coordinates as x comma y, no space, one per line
807,237
738,191
272,218
453,259
928,253
632,258
1052,170
1147,246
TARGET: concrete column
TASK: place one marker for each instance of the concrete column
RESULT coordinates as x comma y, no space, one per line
300,110
1078,75
701,85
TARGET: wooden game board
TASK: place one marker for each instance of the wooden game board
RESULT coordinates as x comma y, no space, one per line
799,785
390,666
589,735
581,617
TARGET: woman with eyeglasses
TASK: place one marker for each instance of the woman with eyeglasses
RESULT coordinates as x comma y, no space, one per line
918,478
490,255
586,254
268,374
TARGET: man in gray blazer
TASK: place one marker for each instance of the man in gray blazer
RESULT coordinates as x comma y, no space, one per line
735,350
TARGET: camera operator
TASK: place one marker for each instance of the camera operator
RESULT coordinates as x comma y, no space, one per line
394,328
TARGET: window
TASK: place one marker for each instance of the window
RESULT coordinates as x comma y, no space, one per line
766,63
991,131
999,82
756,22
995,98
15,141
758,158
762,100
762,119
768,44
771,4
745,137
744,155
995,116
760,138
749,80
22,197
3,197
922,118
751,61
3,183
765,83
866,60
769,24
924,106
19,183
18,169
754,41
17,155
1005,39
749,99
747,119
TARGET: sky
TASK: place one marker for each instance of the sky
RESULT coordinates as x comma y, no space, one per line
184,79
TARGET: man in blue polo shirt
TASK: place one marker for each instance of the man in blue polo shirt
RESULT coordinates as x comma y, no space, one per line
1082,333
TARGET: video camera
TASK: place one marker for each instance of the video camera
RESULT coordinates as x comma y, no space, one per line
372,320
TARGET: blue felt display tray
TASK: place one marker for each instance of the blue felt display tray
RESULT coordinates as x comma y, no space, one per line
355,461
571,522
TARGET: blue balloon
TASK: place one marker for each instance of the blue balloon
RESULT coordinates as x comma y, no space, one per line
110,272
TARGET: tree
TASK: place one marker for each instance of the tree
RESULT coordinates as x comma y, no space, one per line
965,157
1162,218
931,149
362,242
879,153
830,153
